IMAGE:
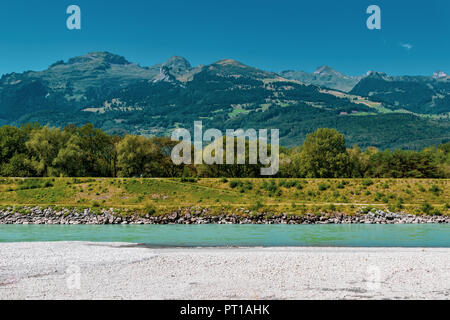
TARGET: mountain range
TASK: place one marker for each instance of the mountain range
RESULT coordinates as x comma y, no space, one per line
324,76
121,97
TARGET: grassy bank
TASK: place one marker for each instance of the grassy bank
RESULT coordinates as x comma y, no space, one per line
297,196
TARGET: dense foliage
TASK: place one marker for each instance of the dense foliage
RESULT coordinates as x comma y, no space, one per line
416,94
34,150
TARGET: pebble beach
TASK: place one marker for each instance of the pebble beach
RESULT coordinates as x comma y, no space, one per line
87,270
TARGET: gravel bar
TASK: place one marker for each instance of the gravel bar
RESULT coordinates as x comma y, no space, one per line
86,270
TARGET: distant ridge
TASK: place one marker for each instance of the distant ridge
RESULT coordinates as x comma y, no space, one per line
324,76
120,96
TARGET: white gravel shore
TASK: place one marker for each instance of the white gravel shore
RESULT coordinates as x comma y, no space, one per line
80,270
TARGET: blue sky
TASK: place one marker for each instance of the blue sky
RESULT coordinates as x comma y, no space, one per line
268,34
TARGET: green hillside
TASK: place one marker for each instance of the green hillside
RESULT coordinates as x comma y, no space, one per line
297,196
123,97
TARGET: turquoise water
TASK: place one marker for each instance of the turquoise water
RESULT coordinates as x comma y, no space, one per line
412,235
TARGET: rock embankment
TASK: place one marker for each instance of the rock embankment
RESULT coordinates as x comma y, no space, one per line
37,215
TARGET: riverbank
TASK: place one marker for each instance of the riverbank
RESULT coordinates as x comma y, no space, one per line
198,215
215,197
50,270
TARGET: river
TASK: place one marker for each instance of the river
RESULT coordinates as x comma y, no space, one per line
351,235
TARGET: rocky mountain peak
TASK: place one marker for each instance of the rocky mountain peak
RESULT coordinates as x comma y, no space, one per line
164,75
328,71
230,62
177,65
439,74
178,61
325,70
376,74
104,57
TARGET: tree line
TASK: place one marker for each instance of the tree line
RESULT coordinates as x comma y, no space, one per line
40,151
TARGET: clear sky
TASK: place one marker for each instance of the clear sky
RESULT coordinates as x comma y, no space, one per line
273,35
